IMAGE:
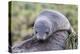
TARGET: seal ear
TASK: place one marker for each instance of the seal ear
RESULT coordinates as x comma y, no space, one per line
32,24
33,30
32,27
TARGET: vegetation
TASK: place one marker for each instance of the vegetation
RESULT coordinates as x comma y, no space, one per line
23,14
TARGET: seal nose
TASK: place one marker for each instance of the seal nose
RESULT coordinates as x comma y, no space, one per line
41,37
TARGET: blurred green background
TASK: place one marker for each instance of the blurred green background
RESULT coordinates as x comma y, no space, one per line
23,14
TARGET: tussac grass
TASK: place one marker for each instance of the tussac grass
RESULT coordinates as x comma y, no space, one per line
72,41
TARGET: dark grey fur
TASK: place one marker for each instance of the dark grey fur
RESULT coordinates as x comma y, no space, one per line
57,35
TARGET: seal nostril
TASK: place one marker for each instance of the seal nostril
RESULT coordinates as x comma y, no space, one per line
47,32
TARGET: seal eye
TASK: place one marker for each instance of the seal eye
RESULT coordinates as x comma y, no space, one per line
36,32
47,32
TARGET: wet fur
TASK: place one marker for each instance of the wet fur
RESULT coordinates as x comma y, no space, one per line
56,40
